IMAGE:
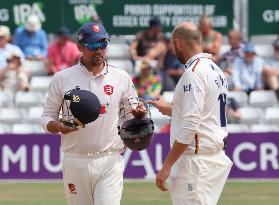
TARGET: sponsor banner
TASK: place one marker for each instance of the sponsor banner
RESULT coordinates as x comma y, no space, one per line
119,17
39,157
263,17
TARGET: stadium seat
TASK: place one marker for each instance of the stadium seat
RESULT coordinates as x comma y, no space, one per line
168,96
224,48
34,114
240,96
264,50
11,115
263,98
251,115
4,129
264,128
272,115
26,129
264,39
118,51
35,68
6,98
237,128
40,83
123,65
28,99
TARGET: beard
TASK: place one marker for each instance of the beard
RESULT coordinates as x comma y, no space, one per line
97,60
179,55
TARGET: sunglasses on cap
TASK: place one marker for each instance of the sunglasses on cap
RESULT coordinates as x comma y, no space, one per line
95,46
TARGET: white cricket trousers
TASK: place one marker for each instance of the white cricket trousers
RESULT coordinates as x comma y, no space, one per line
93,180
198,179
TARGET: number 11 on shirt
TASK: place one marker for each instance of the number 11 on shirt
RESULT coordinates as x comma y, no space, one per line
223,100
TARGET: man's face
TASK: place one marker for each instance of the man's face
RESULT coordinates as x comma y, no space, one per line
3,41
145,71
205,26
62,40
170,46
234,40
249,57
276,53
177,51
155,31
95,58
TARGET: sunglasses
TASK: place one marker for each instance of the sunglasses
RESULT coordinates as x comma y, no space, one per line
95,46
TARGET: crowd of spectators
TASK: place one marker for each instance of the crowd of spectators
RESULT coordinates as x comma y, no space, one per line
156,68
29,42
243,68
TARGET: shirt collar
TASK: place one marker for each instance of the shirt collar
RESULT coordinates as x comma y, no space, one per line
197,56
102,73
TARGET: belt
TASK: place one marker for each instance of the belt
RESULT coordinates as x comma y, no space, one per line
203,153
95,155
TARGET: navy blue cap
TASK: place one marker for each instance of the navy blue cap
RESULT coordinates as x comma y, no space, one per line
249,48
63,32
155,22
91,32
85,105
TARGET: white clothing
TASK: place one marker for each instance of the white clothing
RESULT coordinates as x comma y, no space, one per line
198,179
198,112
93,181
7,52
92,167
199,120
111,86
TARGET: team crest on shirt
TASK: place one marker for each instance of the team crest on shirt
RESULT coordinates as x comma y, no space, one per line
108,89
96,28
72,189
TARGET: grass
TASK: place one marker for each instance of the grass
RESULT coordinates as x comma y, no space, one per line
138,193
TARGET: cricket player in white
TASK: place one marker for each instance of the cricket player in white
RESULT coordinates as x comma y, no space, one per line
197,164
92,166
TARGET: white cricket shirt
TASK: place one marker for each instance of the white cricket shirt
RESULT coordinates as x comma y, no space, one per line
111,86
198,112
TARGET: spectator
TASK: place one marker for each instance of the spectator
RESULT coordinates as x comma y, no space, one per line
62,53
233,111
7,49
271,71
172,69
236,51
96,19
247,70
147,84
13,77
211,39
150,43
226,60
32,39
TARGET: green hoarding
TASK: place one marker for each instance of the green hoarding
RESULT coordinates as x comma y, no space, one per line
119,16
14,12
263,17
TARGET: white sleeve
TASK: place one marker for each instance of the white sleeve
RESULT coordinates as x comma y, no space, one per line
53,102
193,95
129,90
128,99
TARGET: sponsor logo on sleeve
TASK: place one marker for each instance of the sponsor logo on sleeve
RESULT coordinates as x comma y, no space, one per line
191,88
